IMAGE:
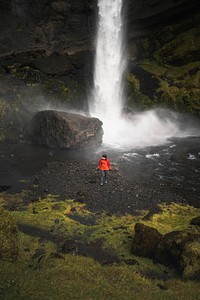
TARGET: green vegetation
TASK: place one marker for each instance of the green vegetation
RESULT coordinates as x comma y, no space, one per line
41,270
170,63
8,237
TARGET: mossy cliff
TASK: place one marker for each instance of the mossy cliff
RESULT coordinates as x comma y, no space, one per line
164,67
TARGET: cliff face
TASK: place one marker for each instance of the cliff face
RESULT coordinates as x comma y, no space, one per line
70,26
45,57
145,16
164,55
47,48
53,25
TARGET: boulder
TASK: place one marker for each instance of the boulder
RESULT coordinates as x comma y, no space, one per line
145,240
177,249
181,250
63,130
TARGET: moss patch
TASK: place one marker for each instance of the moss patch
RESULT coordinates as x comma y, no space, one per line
44,271
8,237
173,217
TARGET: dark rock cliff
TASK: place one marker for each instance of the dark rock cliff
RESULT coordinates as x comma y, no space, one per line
53,25
70,26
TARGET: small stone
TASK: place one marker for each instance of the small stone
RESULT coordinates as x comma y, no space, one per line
56,221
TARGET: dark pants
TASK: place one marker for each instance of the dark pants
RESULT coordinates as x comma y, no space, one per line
103,176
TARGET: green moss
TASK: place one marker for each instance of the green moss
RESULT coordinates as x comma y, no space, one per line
192,260
24,72
178,87
75,278
173,217
61,276
4,107
181,48
8,237
134,82
153,67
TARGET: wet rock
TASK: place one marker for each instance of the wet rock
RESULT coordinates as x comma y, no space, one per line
9,248
145,240
56,129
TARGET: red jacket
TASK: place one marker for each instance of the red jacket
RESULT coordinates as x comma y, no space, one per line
104,164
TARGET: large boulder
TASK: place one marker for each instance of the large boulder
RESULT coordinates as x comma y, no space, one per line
57,129
181,250
177,249
145,240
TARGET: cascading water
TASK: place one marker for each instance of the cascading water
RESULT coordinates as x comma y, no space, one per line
145,129
109,65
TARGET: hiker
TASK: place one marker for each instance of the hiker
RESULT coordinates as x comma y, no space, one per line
104,167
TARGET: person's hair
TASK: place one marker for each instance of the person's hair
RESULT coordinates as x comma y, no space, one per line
104,155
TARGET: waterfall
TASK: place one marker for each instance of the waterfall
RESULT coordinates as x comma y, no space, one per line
107,101
109,63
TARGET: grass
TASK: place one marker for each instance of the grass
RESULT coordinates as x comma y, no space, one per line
76,277
173,217
67,276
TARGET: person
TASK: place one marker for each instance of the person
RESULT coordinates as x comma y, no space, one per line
104,166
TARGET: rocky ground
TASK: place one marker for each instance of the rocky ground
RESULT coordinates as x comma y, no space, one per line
81,181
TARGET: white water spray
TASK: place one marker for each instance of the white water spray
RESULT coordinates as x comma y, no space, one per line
141,130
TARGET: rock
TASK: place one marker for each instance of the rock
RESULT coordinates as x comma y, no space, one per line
144,16
145,240
181,250
39,254
64,26
56,129
55,64
4,188
190,263
9,248
195,221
